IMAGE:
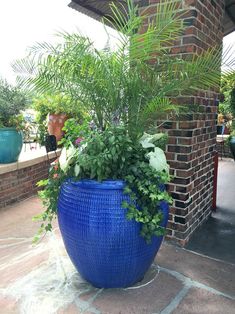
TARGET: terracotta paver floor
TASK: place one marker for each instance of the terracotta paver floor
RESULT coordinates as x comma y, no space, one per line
41,279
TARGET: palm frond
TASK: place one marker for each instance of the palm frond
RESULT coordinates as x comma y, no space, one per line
124,83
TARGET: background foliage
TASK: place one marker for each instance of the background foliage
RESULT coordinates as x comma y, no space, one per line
12,101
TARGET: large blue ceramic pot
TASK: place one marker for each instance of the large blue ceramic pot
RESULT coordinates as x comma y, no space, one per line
232,146
104,246
11,142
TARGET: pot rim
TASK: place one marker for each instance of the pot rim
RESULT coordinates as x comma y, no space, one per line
94,184
58,114
8,129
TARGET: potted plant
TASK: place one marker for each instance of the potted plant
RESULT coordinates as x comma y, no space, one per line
111,241
108,188
52,112
12,123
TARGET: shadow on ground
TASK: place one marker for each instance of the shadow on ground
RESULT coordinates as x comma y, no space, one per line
215,238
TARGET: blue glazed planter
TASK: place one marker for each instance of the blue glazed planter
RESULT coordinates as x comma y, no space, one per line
104,246
11,142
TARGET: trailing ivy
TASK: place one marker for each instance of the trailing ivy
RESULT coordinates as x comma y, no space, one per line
146,188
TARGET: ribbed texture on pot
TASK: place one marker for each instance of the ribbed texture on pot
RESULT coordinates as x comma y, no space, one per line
104,246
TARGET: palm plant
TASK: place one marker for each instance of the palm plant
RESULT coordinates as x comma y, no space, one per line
132,84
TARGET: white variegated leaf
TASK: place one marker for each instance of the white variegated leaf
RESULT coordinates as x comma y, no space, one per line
66,157
63,158
76,170
147,140
157,160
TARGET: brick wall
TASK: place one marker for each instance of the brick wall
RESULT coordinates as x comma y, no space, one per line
192,139
20,184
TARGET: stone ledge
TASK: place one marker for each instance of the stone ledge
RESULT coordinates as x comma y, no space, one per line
28,160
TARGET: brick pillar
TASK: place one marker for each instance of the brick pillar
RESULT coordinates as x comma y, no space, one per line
192,140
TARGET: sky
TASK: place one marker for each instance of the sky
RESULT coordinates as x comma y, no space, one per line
25,22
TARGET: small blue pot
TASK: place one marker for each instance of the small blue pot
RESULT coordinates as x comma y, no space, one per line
104,246
11,142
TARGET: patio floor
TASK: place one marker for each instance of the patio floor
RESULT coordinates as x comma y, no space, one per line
41,279
215,238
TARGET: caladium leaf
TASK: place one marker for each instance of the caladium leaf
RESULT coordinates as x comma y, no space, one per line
157,160
77,170
147,140
62,159
66,157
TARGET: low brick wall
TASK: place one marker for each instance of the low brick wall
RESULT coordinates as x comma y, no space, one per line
18,180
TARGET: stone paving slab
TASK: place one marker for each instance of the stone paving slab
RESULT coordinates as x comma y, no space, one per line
70,309
216,274
8,305
42,280
149,299
16,220
19,266
204,302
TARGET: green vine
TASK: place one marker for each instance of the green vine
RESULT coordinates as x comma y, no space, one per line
149,187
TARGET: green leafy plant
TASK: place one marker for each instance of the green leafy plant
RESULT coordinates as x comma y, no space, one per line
113,154
56,103
232,100
12,101
72,128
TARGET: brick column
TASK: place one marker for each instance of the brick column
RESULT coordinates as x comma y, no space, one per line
192,140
